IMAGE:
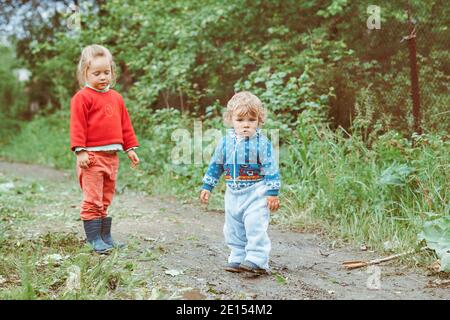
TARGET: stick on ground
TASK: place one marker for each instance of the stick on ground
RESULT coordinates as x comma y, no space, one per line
354,264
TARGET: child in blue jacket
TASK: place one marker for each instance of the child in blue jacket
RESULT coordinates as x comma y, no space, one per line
253,182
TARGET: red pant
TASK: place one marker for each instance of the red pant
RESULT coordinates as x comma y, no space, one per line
98,183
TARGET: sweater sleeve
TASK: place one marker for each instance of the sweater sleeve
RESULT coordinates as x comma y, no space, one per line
129,137
270,170
78,121
215,168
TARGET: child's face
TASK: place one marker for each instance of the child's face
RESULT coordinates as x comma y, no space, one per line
99,73
245,126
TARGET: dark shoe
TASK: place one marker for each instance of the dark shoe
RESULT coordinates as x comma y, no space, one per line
251,267
233,267
93,229
106,233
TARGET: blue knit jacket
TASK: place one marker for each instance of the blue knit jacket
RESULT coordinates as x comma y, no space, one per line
245,162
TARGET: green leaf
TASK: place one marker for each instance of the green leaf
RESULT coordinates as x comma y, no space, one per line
395,175
436,233
280,279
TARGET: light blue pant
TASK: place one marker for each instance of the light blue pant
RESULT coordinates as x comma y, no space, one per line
246,223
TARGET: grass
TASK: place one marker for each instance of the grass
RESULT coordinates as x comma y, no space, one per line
58,264
42,141
372,195
39,269
8,129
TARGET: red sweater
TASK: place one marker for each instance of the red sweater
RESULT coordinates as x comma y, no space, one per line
98,119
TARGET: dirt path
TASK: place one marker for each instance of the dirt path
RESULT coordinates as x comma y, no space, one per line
179,247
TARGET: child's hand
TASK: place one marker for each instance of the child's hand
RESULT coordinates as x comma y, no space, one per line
133,158
83,159
204,196
273,202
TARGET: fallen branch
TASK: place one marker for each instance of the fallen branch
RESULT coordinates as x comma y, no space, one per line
438,283
354,264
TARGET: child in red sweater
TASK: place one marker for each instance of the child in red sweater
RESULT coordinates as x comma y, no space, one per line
99,127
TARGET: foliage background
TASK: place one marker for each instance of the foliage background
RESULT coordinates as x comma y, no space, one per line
338,92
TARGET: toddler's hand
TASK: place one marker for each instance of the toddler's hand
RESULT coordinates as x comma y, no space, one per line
83,159
204,196
133,158
273,202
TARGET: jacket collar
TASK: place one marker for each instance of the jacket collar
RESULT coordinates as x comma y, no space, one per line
232,133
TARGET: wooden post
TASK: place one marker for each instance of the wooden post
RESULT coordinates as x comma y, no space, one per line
415,94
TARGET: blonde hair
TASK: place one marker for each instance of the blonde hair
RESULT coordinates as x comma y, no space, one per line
87,55
244,103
